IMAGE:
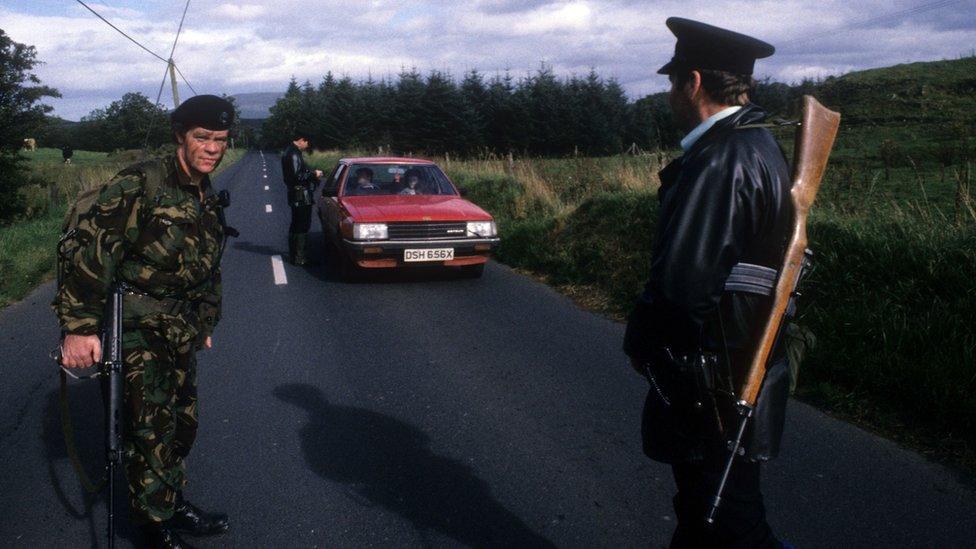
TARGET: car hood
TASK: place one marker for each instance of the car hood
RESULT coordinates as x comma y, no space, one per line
369,209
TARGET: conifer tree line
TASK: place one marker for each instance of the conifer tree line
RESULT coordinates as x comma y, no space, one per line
540,115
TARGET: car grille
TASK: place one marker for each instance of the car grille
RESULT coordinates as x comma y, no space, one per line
427,230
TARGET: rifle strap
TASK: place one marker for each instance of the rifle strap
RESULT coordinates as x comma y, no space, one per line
67,429
777,123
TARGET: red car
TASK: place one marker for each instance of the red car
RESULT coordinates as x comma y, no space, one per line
381,212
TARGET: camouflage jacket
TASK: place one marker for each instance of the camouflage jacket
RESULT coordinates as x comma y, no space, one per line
167,252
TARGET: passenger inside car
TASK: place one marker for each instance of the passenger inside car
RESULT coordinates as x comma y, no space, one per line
411,180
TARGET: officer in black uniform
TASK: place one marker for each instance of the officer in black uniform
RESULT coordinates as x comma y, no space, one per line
725,212
301,182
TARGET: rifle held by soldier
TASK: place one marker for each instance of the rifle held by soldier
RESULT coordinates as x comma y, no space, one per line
111,371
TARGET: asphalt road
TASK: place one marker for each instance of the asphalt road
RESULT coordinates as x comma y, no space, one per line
426,410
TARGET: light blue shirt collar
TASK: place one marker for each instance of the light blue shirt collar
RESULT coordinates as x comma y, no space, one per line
690,139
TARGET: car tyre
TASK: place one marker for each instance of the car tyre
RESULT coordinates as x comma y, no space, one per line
348,270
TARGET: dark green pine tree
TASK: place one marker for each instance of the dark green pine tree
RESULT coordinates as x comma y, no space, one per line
442,111
342,113
407,117
373,111
506,118
475,104
548,104
278,129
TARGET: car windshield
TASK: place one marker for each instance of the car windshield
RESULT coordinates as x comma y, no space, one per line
396,179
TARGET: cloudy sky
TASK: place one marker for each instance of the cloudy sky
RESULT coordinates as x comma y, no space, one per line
235,47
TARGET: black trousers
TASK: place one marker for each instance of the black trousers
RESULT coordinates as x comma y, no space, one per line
301,219
741,520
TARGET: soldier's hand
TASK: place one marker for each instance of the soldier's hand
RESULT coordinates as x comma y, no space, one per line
318,173
208,343
80,351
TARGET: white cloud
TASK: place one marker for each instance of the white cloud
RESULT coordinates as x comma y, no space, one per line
239,12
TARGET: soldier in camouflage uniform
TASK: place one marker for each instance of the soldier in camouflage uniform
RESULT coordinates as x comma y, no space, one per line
164,253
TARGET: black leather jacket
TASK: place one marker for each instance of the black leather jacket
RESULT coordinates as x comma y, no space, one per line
725,201
293,169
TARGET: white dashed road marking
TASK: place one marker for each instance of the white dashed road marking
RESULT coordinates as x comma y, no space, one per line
278,268
267,188
267,208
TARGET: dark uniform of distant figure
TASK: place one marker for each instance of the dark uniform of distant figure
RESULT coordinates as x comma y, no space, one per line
66,153
301,182
724,204
165,254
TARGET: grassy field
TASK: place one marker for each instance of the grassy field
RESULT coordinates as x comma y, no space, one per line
27,247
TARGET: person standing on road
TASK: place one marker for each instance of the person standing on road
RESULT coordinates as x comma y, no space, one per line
164,254
301,182
725,208
66,153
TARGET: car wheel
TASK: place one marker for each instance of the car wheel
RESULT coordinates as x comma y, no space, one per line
473,271
348,270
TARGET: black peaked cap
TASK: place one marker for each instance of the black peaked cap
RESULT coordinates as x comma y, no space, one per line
205,111
702,46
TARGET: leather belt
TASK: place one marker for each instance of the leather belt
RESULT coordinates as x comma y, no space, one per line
166,305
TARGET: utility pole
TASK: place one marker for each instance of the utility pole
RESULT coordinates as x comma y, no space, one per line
172,79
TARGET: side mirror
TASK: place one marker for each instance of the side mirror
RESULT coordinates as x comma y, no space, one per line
464,192
330,192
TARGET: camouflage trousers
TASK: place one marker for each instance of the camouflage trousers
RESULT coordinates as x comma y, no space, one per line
160,416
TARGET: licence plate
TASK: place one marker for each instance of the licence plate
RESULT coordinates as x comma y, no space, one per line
433,254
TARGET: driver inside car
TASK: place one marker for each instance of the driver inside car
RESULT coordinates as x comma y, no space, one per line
364,182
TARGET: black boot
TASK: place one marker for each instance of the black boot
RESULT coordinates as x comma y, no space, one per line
189,519
159,535
301,240
292,240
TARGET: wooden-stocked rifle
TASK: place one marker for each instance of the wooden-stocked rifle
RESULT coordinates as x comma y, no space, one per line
814,140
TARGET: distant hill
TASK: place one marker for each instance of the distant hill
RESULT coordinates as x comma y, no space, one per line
934,92
256,105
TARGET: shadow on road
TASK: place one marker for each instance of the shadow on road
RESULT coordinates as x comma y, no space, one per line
389,463
261,249
85,401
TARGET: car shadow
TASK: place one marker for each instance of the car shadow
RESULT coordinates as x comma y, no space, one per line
389,463
85,405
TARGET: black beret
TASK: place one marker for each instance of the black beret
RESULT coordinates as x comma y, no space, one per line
204,111
702,46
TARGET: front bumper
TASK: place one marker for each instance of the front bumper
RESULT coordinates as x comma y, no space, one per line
389,253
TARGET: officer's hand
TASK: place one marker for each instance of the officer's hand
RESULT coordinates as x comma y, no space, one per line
208,343
318,173
80,351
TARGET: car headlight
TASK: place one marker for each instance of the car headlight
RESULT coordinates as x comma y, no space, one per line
483,229
369,231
